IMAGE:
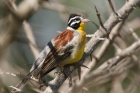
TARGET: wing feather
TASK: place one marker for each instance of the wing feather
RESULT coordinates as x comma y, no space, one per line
59,52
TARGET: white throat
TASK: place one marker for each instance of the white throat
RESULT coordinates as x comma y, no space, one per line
69,28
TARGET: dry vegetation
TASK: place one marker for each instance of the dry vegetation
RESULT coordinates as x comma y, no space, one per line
116,73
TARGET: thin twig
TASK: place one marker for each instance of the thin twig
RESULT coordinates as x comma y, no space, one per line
111,5
99,18
113,61
31,38
134,34
18,90
95,24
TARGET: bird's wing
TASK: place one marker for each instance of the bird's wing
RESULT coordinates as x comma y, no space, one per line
61,47
56,51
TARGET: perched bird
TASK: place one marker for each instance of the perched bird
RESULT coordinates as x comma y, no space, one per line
66,48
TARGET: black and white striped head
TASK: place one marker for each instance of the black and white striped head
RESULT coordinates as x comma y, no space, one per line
75,20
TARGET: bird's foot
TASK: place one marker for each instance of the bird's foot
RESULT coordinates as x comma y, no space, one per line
42,83
59,72
70,80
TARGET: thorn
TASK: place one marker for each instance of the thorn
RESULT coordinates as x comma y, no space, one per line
85,89
84,66
79,72
95,24
131,5
136,37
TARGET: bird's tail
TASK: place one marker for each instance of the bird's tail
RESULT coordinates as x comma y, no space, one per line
22,83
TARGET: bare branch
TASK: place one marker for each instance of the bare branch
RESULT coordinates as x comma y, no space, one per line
113,61
111,5
19,75
110,23
99,18
18,90
23,10
134,34
60,8
31,38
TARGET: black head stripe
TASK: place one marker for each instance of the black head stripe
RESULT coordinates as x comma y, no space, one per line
74,21
73,15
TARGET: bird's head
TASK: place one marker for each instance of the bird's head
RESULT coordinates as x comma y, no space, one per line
77,21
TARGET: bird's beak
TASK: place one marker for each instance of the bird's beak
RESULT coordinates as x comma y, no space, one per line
85,20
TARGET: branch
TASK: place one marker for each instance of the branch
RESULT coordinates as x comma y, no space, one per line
98,56
121,68
19,75
14,21
18,90
93,42
134,34
30,36
134,84
113,61
60,8
28,31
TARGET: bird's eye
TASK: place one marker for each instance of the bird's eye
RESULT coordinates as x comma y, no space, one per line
77,19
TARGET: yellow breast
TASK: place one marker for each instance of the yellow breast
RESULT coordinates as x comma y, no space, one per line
78,53
78,50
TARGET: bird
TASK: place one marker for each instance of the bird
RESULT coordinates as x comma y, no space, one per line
64,49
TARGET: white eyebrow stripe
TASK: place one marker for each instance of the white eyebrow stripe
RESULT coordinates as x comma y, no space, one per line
74,22
72,19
